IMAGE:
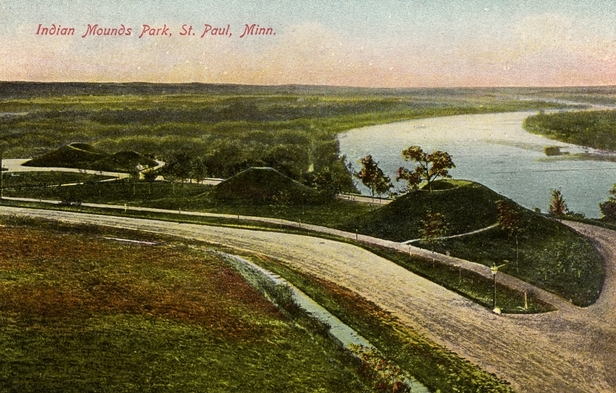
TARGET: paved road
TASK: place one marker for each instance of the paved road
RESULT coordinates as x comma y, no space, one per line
570,350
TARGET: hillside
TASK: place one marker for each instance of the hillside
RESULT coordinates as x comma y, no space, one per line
466,206
262,185
85,156
545,252
74,155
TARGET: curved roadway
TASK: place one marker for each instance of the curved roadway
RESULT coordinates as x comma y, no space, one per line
570,350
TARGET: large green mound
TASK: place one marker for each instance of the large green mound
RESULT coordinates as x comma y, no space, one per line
74,155
545,252
85,156
259,185
466,206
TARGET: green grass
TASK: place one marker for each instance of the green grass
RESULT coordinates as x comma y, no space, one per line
85,156
262,185
434,366
187,197
29,183
551,256
81,314
468,284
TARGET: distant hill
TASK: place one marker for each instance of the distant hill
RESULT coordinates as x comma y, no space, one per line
261,185
85,156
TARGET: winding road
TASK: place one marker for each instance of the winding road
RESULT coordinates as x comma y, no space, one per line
569,350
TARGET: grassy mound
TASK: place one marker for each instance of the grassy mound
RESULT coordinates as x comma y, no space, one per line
466,206
548,254
85,156
262,185
74,155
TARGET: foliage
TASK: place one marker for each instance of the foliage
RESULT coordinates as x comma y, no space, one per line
608,208
166,195
552,151
551,255
557,207
85,156
511,220
465,206
588,128
263,186
387,377
430,167
373,177
433,228
510,217
229,127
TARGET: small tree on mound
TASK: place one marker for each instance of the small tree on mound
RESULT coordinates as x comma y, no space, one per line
433,229
511,220
557,207
373,177
430,167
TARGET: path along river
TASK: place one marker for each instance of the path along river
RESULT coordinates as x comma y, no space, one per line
494,150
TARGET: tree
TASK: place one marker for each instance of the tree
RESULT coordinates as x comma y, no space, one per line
558,207
433,229
511,220
326,184
608,208
429,168
199,169
373,177
150,177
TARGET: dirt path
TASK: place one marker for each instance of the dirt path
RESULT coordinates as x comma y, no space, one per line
571,350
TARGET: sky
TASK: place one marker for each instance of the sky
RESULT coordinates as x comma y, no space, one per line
393,43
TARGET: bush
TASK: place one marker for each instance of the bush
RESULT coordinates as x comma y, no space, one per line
608,209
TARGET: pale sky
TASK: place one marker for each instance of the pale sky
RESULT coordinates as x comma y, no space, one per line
413,43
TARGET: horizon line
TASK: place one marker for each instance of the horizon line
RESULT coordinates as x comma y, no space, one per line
316,85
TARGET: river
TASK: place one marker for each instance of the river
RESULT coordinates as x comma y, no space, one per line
494,150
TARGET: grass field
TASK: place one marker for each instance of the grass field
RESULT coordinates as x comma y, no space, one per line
81,313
